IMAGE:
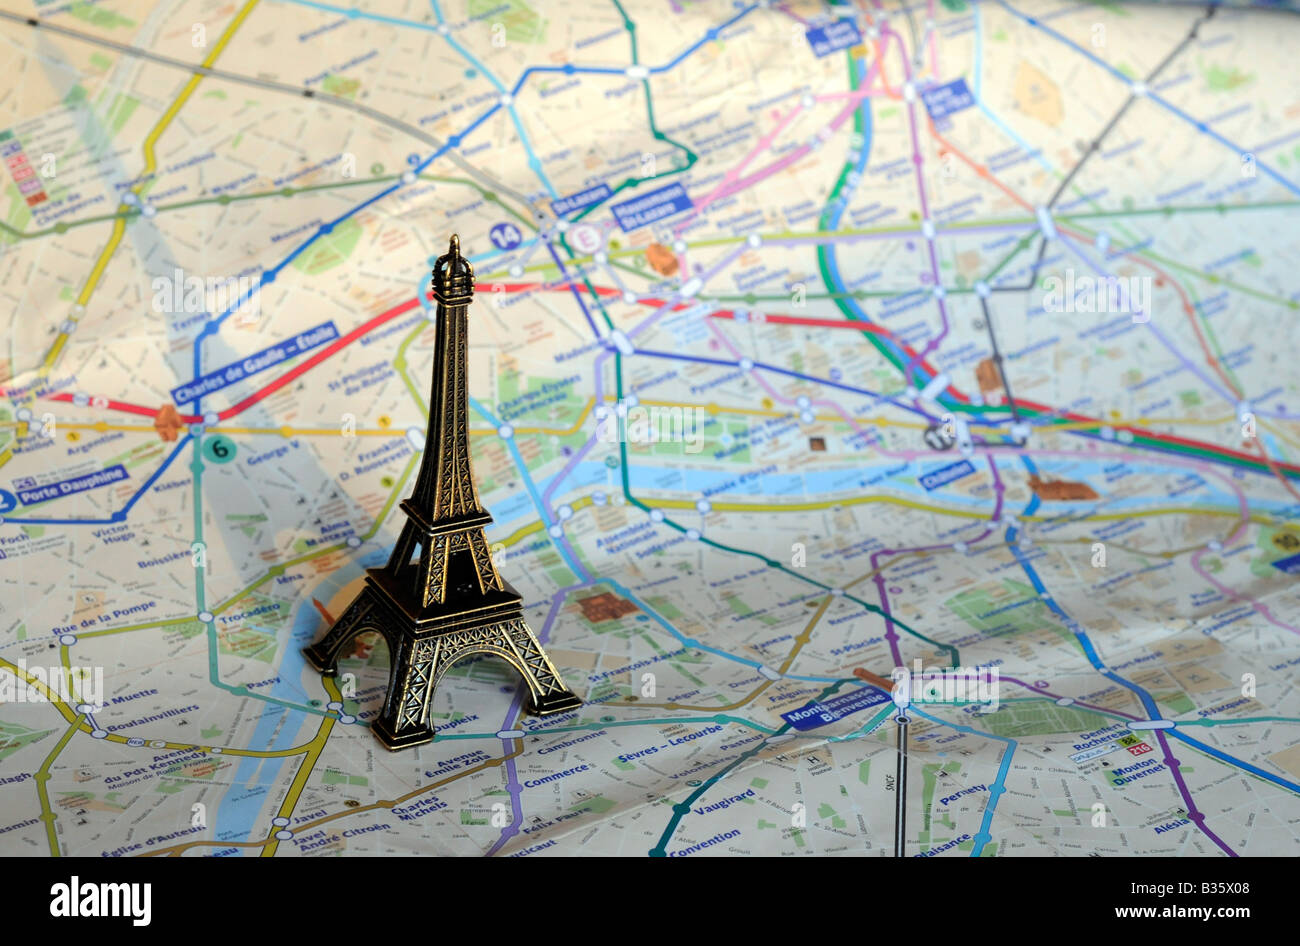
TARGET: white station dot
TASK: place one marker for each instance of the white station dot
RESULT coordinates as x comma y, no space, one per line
556,531
516,271
99,734
1139,88
85,708
679,246
561,225
802,400
692,534
657,515
807,101
23,414
1216,545
754,241
837,592
938,292
149,210
1124,436
206,617
334,705
408,177
703,505
211,417
280,822
67,640
1065,701
599,498
506,100
216,750
806,417
283,835
565,512
746,364
506,431
959,547
982,289
601,258
81,400
353,542
1107,433
346,719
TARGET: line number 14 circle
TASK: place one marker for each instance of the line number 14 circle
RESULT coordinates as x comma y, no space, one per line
505,236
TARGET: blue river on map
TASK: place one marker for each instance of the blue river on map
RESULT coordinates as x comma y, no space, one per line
244,808
900,478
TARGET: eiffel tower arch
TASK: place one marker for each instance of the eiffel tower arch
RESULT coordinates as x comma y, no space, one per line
440,598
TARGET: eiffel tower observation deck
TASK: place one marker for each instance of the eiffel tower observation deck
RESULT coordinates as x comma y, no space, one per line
440,598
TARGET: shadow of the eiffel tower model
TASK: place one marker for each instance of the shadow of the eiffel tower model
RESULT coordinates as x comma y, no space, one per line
439,599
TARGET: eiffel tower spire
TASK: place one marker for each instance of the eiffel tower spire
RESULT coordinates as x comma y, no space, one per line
442,542
440,598
445,489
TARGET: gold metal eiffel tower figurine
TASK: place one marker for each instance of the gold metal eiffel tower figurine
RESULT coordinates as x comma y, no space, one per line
439,598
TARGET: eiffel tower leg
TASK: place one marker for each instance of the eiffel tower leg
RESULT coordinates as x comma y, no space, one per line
362,614
405,719
548,692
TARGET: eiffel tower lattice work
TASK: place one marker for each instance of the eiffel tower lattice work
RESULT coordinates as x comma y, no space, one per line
439,598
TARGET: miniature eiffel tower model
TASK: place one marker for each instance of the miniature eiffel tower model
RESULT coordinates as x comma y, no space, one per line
440,599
